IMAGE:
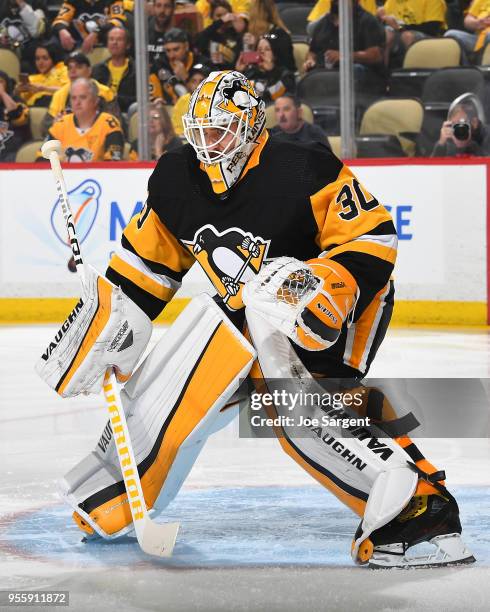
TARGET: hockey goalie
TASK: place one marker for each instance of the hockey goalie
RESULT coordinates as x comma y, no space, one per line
301,257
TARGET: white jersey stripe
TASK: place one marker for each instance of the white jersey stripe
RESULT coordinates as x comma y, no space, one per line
136,262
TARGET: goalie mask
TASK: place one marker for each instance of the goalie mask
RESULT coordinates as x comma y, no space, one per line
224,125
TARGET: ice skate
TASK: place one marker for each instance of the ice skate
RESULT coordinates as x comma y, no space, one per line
427,533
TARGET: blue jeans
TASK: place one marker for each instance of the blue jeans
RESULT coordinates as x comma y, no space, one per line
466,39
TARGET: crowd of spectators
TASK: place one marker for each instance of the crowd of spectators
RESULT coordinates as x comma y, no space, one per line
77,63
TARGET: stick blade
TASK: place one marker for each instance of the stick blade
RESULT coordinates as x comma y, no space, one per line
159,539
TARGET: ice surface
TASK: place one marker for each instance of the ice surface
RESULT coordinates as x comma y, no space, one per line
257,533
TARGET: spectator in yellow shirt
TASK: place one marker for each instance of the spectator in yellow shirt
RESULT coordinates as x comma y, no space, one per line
196,74
38,89
118,71
407,21
477,24
87,135
79,67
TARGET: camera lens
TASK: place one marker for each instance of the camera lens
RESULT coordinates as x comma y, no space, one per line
164,75
461,130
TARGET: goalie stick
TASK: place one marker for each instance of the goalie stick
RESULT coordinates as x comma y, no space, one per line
155,539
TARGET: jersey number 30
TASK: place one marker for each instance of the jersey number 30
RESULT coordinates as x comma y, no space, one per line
353,200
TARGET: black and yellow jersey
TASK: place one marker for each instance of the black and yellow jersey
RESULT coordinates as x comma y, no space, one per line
104,141
80,12
292,200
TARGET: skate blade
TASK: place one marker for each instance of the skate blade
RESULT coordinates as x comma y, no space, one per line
450,550
428,565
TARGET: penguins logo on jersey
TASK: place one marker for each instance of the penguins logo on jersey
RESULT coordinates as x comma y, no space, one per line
229,259
15,30
78,155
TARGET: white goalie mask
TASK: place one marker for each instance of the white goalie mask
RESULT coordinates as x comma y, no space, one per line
223,122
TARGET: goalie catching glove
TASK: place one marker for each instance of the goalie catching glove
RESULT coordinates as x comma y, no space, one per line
105,329
307,301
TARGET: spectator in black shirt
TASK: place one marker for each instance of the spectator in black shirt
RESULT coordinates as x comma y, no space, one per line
173,70
221,42
290,123
158,25
369,40
14,120
271,79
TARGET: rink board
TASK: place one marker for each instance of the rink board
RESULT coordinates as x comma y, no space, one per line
439,209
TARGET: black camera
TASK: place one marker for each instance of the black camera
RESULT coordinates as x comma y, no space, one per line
167,78
461,130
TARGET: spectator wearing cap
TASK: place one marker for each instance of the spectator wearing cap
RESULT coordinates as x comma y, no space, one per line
79,67
221,42
158,25
290,123
118,71
264,19
174,69
83,21
368,42
271,79
14,119
196,74
38,88
241,8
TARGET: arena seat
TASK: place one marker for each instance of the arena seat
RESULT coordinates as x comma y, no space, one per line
98,55
443,86
27,153
485,59
335,144
300,50
36,118
421,60
320,90
400,117
10,63
295,19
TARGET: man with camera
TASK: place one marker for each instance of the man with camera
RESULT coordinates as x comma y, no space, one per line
463,133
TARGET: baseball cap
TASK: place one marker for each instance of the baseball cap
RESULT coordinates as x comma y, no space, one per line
199,69
175,35
79,58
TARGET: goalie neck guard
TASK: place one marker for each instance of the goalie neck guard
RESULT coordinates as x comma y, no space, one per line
224,125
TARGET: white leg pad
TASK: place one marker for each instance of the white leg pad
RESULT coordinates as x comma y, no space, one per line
385,477
173,402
